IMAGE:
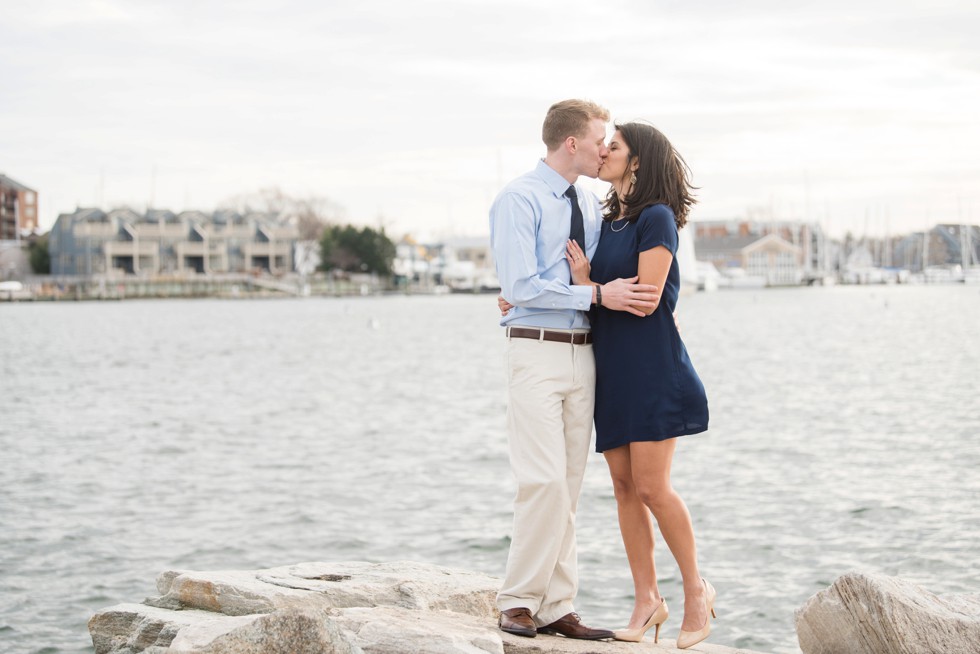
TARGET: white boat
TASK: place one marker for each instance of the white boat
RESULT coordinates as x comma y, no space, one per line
14,291
739,278
708,276
466,277
944,274
971,275
687,264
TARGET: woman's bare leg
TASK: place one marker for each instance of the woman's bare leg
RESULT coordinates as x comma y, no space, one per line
650,462
636,526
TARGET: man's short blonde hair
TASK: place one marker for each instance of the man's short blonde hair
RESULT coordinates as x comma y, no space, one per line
569,118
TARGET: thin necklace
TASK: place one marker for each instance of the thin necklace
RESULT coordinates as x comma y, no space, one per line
625,225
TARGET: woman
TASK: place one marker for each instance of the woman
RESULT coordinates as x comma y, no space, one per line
647,391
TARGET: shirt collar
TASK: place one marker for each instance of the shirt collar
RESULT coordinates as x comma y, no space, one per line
555,182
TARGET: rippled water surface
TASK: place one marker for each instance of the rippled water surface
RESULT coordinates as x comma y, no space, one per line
137,437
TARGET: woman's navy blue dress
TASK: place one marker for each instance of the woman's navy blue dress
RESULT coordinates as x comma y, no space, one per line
646,387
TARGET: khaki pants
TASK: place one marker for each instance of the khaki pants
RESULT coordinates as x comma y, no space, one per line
549,421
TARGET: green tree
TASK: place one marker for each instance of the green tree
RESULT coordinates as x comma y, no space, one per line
39,255
356,250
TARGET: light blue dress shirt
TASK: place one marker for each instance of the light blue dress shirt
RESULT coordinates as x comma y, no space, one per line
529,224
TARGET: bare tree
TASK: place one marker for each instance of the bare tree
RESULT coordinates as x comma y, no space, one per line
310,215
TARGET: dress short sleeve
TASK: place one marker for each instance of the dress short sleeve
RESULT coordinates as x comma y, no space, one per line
656,226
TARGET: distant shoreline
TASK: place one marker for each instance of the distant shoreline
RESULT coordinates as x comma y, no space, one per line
247,286
230,287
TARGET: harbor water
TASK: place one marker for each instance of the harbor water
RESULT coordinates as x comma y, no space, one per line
142,436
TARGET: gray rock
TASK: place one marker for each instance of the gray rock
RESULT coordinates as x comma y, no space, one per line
864,614
332,608
128,628
386,629
558,645
329,585
287,631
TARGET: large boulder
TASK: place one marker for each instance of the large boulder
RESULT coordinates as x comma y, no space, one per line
328,608
309,607
865,614
286,631
329,585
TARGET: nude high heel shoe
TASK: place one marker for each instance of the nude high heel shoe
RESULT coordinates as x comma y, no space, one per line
686,639
636,635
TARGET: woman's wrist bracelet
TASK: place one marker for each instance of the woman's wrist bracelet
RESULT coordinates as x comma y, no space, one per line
598,295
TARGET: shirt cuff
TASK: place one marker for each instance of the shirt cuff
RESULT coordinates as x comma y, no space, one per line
583,297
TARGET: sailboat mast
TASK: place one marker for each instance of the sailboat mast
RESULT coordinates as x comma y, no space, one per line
925,249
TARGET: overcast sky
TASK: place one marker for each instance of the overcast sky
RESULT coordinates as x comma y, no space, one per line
863,116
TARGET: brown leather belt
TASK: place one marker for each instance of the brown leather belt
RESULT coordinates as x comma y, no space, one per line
574,338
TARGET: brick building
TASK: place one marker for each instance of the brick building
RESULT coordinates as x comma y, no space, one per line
18,209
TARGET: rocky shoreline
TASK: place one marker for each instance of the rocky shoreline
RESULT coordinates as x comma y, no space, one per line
415,608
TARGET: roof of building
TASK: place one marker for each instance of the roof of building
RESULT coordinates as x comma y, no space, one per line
227,216
725,243
91,215
733,244
125,214
154,215
262,218
10,183
954,232
268,223
194,215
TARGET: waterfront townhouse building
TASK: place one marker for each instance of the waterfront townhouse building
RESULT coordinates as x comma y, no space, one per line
160,242
18,209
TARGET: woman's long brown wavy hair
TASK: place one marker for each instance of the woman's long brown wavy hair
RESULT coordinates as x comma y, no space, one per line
663,177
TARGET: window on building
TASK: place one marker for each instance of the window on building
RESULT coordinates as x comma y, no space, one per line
758,263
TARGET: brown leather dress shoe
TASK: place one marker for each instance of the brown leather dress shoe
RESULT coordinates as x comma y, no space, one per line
570,626
518,621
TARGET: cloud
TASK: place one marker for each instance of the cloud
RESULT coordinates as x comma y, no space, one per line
419,111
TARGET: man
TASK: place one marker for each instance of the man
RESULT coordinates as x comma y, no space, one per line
551,367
